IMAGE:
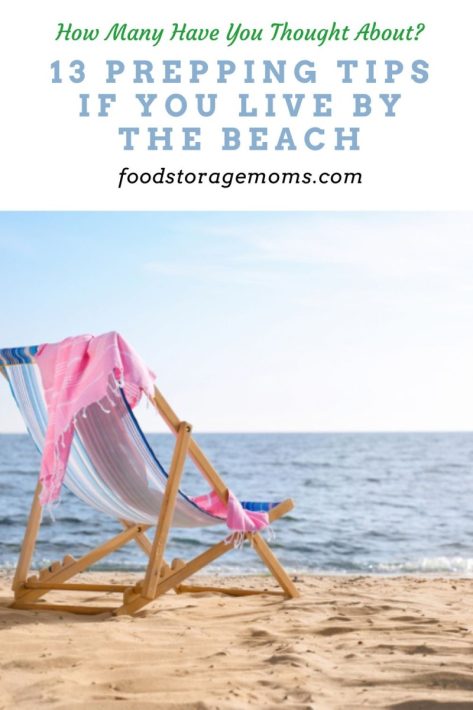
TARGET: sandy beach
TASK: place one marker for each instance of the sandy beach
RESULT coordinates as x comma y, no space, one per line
346,642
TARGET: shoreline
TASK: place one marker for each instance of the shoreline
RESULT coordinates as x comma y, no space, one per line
352,641
8,572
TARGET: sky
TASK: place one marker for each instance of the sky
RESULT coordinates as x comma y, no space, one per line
271,321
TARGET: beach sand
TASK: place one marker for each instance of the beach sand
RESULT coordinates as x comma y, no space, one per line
346,642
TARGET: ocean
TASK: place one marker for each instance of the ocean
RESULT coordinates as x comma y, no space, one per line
383,503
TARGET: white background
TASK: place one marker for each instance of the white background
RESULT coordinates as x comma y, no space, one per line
52,159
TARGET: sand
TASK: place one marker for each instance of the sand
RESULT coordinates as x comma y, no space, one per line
347,642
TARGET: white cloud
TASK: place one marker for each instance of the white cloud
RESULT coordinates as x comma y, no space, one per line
377,245
382,243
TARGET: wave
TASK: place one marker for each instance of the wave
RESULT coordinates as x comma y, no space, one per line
428,565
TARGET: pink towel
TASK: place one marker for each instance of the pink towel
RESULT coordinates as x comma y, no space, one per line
237,517
76,373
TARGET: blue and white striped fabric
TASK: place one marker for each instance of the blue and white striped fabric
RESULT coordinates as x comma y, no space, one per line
111,465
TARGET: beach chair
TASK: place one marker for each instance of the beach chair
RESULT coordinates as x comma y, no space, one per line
113,469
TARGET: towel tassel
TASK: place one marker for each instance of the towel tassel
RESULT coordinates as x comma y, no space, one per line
271,533
237,539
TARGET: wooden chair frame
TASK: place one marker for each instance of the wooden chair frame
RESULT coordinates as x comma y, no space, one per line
159,577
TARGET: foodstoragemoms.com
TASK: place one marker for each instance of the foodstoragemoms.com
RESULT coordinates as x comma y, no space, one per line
227,179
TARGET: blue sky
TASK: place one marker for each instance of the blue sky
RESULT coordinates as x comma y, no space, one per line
260,321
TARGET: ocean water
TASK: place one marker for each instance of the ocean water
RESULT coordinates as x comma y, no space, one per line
365,503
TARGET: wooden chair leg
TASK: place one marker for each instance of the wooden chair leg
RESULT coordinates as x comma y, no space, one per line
167,511
273,564
29,541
